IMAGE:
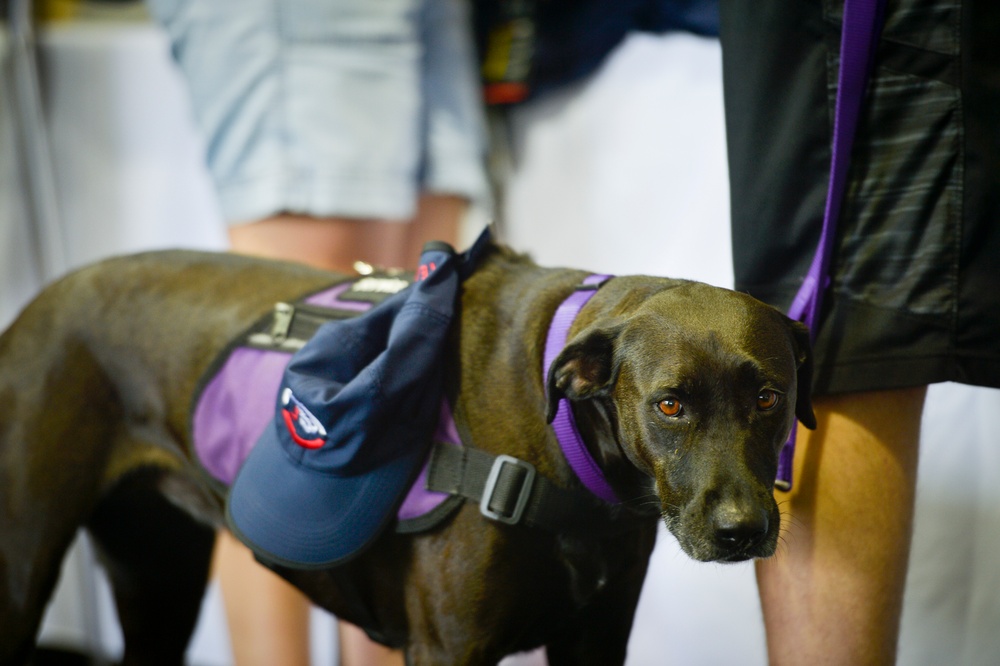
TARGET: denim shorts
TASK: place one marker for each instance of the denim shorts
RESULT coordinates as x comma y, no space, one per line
346,108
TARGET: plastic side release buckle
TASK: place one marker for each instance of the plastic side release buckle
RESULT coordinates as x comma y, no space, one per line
522,497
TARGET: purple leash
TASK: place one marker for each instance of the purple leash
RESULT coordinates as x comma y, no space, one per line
860,33
570,441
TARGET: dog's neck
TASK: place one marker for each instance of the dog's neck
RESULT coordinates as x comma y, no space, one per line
596,417
570,440
508,304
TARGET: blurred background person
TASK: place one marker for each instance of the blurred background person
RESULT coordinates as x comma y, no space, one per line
336,131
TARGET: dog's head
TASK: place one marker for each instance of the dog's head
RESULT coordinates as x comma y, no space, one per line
697,388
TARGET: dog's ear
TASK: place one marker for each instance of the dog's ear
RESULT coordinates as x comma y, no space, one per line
584,369
804,358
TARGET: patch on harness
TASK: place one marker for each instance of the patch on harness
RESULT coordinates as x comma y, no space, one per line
372,288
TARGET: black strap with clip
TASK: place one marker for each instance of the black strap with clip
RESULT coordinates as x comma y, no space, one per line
510,491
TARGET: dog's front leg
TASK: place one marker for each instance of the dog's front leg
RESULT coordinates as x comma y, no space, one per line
598,634
459,594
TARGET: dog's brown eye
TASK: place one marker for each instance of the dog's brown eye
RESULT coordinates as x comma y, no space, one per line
767,399
671,407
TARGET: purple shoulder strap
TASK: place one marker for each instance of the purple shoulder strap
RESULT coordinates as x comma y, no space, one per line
862,25
573,447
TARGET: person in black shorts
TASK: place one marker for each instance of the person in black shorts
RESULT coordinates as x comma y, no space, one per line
915,291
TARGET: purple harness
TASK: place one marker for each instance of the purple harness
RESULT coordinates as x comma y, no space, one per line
564,425
228,419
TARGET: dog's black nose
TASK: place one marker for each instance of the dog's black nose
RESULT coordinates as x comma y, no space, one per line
740,530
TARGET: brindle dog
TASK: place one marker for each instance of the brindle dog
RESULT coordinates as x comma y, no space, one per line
684,394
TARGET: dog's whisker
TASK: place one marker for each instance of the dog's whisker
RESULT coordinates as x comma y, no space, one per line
646,502
782,547
790,519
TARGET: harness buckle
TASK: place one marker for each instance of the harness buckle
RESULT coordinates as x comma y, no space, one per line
491,485
283,316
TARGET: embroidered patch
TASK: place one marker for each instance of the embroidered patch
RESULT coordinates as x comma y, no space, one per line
303,426
380,285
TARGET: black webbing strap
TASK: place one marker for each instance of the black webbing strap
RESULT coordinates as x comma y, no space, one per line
510,491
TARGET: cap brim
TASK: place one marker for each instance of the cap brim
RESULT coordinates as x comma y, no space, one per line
293,516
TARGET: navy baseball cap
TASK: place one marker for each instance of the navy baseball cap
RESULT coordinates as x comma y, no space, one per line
356,412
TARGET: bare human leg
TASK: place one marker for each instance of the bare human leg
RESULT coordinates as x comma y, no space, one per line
833,593
336,243
268,619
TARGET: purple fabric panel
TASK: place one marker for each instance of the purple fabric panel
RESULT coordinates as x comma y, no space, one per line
331,299
234,409
420,500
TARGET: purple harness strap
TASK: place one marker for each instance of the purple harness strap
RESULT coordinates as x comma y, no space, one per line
862,24
331,299
579,458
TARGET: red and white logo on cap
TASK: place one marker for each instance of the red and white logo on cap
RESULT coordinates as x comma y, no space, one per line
303,426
